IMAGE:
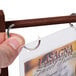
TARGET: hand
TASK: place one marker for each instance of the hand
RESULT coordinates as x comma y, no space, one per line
9,48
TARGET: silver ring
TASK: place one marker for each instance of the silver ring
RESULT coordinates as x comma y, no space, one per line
71,25
39,41
8,34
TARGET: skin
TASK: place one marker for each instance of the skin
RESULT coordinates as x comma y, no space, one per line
10,48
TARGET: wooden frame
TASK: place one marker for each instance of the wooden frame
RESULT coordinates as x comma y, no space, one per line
32,23
42,21
4,71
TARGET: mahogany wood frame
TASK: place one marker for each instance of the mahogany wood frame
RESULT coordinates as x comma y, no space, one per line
32,23
42,21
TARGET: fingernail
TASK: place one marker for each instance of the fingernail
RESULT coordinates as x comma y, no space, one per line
20,48
15,43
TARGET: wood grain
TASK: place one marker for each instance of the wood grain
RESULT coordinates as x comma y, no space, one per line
41,21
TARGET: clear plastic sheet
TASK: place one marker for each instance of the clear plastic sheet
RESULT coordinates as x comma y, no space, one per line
56,56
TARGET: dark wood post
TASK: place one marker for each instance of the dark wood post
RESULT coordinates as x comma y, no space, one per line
4,71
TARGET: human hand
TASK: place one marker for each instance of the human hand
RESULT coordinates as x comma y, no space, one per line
9,48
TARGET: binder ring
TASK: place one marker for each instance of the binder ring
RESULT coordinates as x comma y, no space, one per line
71,25
39,41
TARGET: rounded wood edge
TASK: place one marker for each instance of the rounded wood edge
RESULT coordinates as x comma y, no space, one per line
4,71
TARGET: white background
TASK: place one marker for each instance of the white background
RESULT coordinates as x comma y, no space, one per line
28,9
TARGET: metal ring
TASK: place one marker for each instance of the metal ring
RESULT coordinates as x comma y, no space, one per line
39,41
71,25
8,34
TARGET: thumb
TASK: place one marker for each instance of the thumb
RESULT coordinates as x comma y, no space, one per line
9,50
